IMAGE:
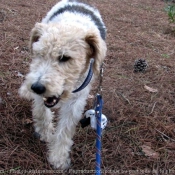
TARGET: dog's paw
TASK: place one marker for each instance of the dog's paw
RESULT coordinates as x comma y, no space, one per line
36,135
59,162
43,138
45,135
48,136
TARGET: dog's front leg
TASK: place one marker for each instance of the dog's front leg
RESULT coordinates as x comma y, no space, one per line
42,118
59,148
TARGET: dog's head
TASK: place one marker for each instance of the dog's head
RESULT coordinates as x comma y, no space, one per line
60,57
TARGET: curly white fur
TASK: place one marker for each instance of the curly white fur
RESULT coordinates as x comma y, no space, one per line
76,36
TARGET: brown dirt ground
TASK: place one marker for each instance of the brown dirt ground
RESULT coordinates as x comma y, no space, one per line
140,136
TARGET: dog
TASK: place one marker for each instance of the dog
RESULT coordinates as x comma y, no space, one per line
67,49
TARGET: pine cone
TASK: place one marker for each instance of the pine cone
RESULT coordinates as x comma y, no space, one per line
140,65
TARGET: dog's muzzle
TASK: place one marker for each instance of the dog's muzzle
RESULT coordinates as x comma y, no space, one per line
50,102
39,89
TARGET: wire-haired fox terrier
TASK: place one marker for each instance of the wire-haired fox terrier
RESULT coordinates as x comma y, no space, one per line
62,47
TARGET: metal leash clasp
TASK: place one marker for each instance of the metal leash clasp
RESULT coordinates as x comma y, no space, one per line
100,89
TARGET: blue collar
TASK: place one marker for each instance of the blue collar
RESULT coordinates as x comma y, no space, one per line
88,78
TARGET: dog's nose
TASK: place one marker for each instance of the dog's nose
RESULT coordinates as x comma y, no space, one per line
38,88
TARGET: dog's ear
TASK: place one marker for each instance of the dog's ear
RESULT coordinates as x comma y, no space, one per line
97,50
36,33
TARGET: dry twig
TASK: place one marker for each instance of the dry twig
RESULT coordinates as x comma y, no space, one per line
165,135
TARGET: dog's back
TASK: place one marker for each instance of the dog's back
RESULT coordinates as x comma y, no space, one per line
68,12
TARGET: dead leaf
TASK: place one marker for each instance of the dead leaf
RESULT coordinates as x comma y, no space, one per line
150,89
105,150
150,152
20,75
28,121
90,96
16,48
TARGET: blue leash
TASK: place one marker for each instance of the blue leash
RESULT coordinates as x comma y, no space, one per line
98,111
98,114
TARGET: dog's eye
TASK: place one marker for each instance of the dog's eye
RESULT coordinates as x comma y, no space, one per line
63,58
